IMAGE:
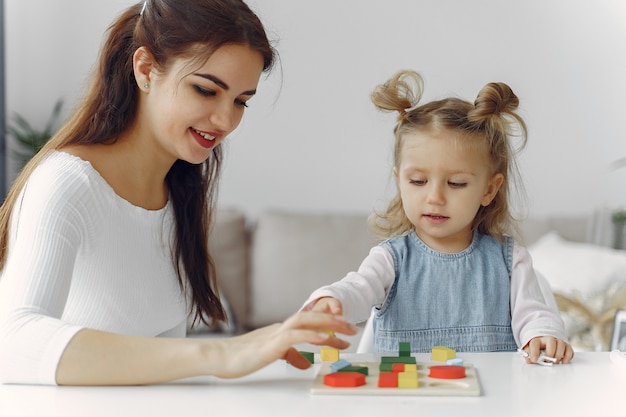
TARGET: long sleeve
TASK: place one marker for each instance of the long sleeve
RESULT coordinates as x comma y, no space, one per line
35,282
533,310
363,289
80,257
533,314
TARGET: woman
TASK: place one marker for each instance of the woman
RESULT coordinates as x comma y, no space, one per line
104,233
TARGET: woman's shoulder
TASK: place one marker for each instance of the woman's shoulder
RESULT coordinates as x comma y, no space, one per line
63,180
64,161
59,190
60,170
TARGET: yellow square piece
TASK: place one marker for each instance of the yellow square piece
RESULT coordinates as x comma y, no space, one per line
328,354
442,353
410,367
407,380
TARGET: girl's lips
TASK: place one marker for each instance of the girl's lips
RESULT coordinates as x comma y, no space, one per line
436,218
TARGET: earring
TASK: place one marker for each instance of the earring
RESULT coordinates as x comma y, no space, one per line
146,86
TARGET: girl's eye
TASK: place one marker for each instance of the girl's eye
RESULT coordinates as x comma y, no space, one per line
204,91
457,184
417,182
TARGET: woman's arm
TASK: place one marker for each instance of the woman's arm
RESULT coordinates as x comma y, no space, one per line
38,346
100,358
36,278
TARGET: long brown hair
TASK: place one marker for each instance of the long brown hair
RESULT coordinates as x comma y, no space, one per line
491,119
168,29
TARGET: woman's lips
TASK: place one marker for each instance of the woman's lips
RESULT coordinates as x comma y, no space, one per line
206,140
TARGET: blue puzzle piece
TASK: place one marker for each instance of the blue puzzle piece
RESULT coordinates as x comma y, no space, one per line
340,364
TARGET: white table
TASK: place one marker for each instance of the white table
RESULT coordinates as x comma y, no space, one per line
592,385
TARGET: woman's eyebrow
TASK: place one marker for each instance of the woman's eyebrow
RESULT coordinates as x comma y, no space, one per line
222,84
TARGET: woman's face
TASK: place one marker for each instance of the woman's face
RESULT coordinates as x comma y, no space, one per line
188,113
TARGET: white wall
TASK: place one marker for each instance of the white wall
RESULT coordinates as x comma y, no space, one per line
311,139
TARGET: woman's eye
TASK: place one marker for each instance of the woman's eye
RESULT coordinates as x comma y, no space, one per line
241,103
210,93
204,91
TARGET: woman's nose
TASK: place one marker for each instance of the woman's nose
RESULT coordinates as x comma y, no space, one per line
223,118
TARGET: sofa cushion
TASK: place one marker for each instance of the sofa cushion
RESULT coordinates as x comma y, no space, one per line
589,283
295,253
228,244
574,229
577,267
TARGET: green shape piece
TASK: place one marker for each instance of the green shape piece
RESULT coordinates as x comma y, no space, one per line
360,369
398,359
386,367
405,349
310,356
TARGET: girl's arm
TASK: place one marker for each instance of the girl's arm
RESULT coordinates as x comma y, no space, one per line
99,358
359,291
535,318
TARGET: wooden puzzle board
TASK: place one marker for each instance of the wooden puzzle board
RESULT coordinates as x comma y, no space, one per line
468,386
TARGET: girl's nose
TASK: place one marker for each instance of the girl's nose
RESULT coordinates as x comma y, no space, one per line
435,195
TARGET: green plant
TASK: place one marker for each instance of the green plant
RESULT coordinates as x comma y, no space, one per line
29,139
619,222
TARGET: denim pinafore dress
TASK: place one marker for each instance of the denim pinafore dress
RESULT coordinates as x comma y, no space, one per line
459,300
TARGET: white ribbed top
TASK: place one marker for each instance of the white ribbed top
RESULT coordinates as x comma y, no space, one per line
80,256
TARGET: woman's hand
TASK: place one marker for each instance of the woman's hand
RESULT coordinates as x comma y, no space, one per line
555,348
247,353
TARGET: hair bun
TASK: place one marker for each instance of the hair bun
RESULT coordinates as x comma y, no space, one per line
492,100
400,93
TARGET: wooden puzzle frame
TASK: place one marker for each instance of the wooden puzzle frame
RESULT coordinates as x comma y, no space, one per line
428,386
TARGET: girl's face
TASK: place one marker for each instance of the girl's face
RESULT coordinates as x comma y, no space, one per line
190,110
443,181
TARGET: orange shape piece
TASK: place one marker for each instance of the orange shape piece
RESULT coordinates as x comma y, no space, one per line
397,367
447,372
344,379
388,380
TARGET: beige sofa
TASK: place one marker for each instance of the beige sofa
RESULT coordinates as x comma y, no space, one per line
269,265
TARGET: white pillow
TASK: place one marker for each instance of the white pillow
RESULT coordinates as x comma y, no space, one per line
574,267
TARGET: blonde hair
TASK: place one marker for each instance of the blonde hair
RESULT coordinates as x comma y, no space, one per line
491,117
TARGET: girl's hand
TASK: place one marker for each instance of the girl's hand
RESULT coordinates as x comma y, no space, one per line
328,305
552,347
241,355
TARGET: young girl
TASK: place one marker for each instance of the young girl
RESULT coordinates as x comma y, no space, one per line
448,272
104,233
